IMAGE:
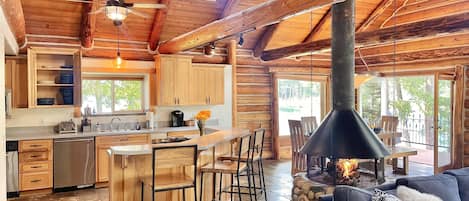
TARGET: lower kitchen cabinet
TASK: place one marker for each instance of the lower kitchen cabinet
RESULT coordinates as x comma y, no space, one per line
103,143
35,164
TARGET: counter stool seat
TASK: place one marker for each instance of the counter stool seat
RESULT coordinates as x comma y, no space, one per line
225,167
169,181
244,158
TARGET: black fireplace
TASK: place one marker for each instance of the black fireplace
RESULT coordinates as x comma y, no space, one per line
343,134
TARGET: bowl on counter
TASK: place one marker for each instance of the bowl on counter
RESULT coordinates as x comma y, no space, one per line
45,101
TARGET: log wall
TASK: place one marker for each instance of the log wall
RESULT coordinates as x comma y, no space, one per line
466,118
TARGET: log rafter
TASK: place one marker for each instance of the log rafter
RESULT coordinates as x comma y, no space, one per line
319,25
378,12
14,14
88,24
265,39
247,20
423,29
158,23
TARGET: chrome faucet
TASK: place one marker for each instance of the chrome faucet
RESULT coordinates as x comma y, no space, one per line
112,123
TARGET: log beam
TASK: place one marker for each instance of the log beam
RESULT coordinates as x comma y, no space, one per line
88,24
265,39
229,7
380,12
318,27
270,12
158,22
14,14
423,29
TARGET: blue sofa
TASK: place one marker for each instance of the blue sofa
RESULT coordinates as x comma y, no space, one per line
451,185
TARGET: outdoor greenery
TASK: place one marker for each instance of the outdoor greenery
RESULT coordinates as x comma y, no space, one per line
107,96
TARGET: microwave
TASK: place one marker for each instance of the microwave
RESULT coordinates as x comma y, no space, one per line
8,103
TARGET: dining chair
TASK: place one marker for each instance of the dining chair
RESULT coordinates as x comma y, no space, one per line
298,139
309,125
169,157
389,124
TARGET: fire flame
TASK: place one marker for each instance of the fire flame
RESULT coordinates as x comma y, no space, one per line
347,167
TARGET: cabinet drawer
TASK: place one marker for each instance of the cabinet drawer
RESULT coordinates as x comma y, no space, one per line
34,181
34,156
35,145
35,167
107,141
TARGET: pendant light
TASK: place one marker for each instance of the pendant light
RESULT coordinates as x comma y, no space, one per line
119,60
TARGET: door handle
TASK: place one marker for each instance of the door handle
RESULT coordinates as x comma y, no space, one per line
35,181
35,156
209,100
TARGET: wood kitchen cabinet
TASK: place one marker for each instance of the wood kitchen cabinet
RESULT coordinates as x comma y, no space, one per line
174,79
16,80
207,85
35,164
103,143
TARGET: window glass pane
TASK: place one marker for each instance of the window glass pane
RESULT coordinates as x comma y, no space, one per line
128,95
97,94
297,99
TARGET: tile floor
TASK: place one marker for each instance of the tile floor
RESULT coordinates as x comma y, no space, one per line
278,181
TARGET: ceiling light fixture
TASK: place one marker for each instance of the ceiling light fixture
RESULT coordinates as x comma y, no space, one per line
209,50
241,40
116,13
119,60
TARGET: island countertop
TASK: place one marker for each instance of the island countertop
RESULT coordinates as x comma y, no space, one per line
203,142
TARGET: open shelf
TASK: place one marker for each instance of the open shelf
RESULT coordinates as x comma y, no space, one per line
55,69
55,85
54,106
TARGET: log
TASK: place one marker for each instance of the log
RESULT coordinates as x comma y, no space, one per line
229,6
265,39
88,24
250,19
381,13
318,26
428,28
158,22
14,14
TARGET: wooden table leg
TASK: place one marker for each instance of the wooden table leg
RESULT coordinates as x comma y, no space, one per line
406,165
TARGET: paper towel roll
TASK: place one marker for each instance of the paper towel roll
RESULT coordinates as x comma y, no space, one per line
150,120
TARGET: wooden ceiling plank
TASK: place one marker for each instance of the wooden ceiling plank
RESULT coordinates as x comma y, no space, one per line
158,23
88,24
247,20
229,7
383,12
378,11
14,14
265,39
319,25
423,29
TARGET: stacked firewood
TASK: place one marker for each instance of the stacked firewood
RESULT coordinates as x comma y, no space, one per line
306,190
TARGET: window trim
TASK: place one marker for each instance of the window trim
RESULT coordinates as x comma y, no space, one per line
114,78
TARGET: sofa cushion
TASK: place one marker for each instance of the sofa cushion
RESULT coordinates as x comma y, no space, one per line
347,193
407,194
380,195
444,186
462,175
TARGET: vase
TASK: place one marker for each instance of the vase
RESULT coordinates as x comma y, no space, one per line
201,125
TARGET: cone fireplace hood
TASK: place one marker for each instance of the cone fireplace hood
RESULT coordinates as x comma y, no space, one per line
343,133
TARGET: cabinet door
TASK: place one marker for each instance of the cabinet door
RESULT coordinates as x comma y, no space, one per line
167,82
102,163
16,79
182,81
198,92
217,96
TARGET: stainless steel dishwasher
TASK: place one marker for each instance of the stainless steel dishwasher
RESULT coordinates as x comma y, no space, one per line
74,163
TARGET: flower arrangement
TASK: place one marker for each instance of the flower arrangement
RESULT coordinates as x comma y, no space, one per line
201,117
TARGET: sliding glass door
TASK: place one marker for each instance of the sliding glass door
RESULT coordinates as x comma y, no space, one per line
443,130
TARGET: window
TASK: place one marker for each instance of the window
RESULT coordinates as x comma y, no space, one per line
297,99
107,95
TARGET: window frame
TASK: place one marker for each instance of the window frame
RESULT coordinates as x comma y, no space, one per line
114,78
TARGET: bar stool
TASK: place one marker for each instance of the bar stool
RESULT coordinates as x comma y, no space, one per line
231,167
171,157
256,147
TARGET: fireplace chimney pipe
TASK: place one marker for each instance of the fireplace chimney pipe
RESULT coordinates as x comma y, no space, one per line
343,57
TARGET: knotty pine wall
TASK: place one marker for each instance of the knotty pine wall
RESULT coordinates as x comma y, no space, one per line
254,100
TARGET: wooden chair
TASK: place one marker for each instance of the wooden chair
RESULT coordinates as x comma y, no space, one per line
389,124
172,157
309,125
298,139
232,167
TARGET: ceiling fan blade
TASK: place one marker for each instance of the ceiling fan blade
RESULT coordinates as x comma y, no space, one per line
148,5
138,13
80,1
100,10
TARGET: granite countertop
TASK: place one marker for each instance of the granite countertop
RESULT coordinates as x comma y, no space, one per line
203,142
47,132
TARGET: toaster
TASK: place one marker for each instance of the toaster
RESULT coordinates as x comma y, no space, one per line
66,127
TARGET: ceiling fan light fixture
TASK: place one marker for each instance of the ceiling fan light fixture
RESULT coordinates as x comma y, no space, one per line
116,13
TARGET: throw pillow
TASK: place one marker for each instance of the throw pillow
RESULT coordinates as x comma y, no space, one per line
407,194
380,195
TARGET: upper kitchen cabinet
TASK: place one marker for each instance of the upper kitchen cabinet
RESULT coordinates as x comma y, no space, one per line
207,84
16,80
174,79
54,77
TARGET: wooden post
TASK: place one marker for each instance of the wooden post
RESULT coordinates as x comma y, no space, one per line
458,115
15,17
275,127
232,48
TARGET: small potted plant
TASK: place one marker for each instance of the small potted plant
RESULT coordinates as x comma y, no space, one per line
202,117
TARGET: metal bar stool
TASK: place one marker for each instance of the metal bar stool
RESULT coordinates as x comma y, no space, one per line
231,167
172,157
256,149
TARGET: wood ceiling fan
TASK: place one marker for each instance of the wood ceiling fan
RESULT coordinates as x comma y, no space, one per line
117,10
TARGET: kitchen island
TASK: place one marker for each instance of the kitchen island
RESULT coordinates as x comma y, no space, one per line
129,164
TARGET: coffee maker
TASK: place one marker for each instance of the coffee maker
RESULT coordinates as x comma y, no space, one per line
177,118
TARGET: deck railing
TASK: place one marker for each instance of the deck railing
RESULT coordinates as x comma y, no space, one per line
416,129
